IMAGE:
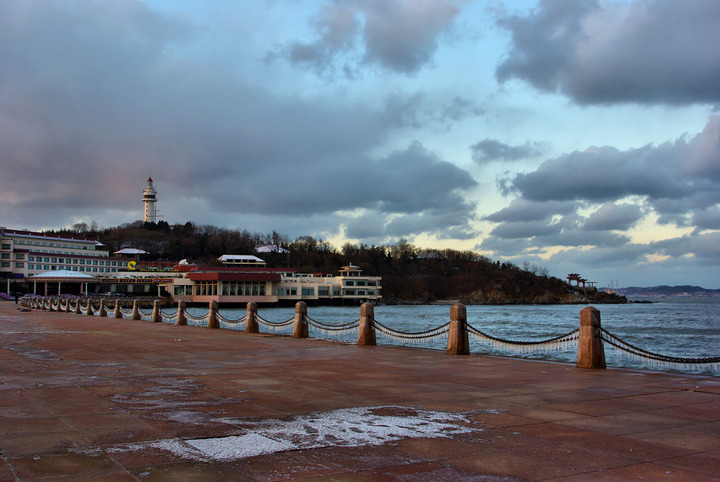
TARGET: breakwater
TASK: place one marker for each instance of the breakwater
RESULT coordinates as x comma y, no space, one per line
424,326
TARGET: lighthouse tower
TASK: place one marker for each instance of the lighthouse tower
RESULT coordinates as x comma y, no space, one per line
149,198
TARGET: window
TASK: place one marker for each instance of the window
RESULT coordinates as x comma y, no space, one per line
5,264
5,256
6,246
323,291
308,291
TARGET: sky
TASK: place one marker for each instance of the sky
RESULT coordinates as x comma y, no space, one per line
582,136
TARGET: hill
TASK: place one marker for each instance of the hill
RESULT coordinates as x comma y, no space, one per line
409,274
664,290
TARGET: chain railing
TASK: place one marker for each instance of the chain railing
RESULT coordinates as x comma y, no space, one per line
272,325
413,337
327,329
655,359
588,338
568,340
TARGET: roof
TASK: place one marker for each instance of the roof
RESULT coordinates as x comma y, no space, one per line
130,251
240,257
63,274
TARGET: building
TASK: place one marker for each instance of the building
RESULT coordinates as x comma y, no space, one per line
150,198
244,284
24,254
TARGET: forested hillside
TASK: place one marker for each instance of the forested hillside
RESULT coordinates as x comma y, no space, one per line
409,273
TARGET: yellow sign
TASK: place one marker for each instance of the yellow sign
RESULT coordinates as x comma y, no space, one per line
131,265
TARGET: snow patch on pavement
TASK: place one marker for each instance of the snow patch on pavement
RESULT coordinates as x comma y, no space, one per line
350,427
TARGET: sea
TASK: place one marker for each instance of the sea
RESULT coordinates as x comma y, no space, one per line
673,326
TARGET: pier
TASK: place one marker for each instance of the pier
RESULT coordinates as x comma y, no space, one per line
102,398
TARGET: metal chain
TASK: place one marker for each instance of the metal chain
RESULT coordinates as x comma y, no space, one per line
633,350
324,326
385,330
573,335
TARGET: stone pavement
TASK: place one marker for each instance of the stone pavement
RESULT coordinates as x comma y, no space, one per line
105,399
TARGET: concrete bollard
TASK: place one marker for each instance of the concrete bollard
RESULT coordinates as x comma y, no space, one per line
116,312
366,329
300,327
89,311
458,343
251,324
135,311
212,315
103,311
591,353
156,318
181,320
78,306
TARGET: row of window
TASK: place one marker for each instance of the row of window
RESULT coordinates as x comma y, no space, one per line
360,283
45,243
49,267
210,288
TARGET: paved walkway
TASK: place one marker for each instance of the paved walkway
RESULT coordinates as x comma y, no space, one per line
105,399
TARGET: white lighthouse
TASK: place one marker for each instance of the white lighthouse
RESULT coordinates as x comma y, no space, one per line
149,198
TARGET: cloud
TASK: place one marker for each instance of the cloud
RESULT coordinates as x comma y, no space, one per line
613,216
675,181
398,35
647,52
523,210
489,150
680,173
91,106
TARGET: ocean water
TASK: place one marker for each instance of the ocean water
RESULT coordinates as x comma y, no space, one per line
676,327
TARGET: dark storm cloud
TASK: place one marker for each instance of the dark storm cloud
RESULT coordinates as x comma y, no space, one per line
676,181
653,51
96,96
398,35
524,210
703,248
707,218
680,171
613,216
493,150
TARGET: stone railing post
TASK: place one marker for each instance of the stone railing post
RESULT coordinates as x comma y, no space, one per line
181,320
116,312
89,311
67,306
135,311
591,353
78,306
457,343
212,315
300,327
251,324
366,329
156,318
102,313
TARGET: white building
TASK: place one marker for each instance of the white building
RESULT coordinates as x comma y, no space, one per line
27,253
244,284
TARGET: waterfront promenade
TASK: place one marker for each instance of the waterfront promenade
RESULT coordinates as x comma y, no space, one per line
114,399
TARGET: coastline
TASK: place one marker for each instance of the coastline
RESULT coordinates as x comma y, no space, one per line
104,398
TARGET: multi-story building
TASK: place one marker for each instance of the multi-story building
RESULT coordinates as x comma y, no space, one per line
24,254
